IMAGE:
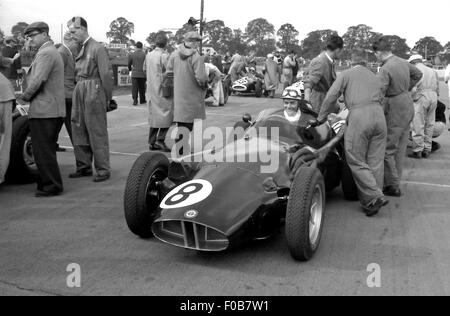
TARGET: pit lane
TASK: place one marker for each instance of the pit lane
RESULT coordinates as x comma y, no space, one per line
39,238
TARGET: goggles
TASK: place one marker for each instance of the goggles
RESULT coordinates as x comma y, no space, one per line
30,36
291,94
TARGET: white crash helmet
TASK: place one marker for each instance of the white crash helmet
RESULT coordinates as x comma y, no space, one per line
294,92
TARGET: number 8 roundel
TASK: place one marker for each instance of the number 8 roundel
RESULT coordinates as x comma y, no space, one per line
187,194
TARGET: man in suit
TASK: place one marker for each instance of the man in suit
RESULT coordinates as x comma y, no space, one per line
138,77
45,93
322,73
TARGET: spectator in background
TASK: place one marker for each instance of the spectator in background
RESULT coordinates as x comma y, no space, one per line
160,108
397,78
215,82
237,67
217,61
289,64
138,77
271,75
6,105
15,69
322,73
190,84
425,96
68,51
45,93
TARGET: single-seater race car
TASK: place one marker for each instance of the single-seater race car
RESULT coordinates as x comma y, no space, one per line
251,84
215,206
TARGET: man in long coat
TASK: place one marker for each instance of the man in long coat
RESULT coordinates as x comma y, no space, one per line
190,83
272,75
160,108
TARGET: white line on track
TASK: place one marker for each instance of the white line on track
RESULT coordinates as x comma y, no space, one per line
444,186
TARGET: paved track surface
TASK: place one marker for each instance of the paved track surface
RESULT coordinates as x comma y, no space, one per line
39,238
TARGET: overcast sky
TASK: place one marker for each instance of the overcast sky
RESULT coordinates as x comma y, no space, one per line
411,19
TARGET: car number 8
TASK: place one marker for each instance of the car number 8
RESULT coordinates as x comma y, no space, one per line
187,194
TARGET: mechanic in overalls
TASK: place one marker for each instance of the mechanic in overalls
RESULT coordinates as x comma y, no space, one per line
90,100
365,137
398,77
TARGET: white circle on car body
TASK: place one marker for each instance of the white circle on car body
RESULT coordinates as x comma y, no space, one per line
187,194
191,214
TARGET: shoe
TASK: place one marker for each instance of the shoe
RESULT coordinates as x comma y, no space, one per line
426,154
374,207
435,147
416,155
103,178
80,174
135,103
392,191
160,146
40,194
144,102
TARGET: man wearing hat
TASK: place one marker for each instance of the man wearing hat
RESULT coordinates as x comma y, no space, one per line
365,138
190,84
397,77
9,51
93,91
45,93
425,96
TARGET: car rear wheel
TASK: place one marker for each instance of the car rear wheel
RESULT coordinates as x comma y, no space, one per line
22,167
305,213
258,89
348,184
142,194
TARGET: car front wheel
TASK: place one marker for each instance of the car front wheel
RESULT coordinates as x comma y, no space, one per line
142,193
305,213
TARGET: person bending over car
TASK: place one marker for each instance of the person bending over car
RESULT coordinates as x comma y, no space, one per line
365,138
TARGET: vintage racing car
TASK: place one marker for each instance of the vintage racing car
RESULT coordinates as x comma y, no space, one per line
212,207
250,84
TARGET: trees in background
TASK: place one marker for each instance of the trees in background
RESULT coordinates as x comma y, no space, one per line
120,31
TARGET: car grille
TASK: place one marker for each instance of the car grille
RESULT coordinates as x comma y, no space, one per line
190,235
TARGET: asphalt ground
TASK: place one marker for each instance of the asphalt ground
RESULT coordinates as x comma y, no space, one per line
39,238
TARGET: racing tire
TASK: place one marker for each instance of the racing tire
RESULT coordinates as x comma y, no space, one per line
349,187
22,168
305,213
142,197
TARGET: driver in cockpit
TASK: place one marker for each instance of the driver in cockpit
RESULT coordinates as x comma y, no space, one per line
292,97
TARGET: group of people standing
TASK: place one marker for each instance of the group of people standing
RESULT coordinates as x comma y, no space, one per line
71,84
190,78
382,108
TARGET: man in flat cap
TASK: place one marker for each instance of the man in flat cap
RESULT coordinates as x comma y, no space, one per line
425,96
365,137
397,77
10,51
45,92
190,84
93,91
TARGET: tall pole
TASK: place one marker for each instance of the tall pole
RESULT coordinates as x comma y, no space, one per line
202,9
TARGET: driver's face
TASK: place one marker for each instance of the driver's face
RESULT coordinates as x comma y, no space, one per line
291,107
